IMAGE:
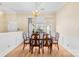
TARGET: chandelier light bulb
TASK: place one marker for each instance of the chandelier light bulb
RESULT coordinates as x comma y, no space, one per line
36,13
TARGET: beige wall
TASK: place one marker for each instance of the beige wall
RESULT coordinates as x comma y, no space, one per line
11,20
22,19
5,17
67,24
2,24
68,19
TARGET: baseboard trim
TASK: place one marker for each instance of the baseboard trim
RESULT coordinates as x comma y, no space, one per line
9,50
68,49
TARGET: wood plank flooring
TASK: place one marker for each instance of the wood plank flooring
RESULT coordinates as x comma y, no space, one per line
19,52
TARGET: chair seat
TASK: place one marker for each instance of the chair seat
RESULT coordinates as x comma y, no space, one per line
35,43
47,43
55,42
27,41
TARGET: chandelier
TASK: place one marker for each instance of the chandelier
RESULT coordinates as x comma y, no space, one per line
36,12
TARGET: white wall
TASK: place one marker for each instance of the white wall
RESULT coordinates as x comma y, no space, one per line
67,24
9,41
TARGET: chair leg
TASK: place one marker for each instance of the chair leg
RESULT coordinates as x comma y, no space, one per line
43,50
31,50
39,50
50,49
58,46
23,46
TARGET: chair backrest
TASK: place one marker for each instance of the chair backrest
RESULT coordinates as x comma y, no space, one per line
46,39
38,36
24,35
46,36
57,36
33,36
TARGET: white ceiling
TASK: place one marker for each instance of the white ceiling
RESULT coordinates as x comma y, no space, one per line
46,7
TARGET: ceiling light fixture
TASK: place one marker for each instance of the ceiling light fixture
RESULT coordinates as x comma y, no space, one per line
36,11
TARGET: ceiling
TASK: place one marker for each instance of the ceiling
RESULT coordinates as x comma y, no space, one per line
45,7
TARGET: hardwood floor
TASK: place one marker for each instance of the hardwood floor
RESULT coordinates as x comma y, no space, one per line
19,52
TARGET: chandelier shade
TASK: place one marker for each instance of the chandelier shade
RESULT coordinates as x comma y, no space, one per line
35,13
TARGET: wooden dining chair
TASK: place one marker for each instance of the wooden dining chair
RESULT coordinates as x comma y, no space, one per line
56,39
35,42
47,42
26,39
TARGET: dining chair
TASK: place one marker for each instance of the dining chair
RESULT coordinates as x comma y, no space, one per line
26,39
47,42
56,39
35,42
